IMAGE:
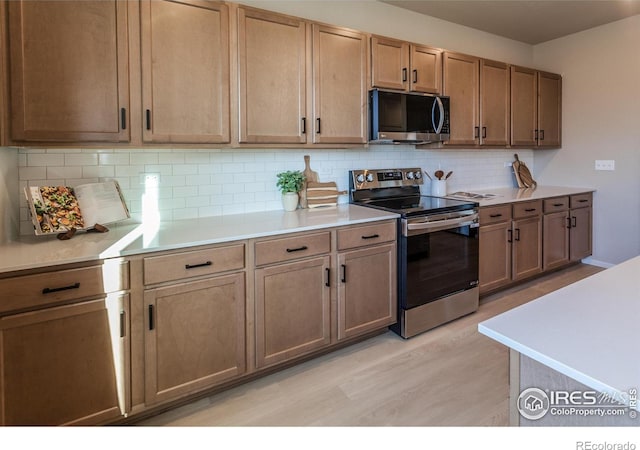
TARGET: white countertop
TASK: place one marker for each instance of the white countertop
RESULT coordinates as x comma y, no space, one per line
30,252
587,331
510,195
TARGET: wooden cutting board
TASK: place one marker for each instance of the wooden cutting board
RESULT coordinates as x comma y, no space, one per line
322,194
311,177
523,175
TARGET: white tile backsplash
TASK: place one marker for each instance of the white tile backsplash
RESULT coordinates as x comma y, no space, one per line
198,183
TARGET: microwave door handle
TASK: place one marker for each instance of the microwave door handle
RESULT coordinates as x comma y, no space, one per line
433,115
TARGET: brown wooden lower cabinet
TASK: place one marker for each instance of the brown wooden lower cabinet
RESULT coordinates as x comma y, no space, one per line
580,234
366,290
495,256
556,239
527,247
194,337
292,306
65,365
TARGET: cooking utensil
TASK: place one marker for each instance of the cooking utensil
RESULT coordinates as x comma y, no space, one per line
427,174
448,175
310,177
439,174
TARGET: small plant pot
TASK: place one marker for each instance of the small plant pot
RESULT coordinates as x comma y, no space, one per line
290,201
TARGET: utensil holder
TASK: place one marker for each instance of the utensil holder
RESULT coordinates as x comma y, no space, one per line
439,188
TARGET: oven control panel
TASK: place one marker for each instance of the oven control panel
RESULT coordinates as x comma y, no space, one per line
382,178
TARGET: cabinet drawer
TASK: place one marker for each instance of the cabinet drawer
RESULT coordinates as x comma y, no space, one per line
286,249
580,200
527,209
176,266
366,235
495,214
555,204
31,291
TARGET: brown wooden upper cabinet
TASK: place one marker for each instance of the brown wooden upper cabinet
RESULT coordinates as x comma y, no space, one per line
405,66
479,92
69,71
185,71
279,56
536,108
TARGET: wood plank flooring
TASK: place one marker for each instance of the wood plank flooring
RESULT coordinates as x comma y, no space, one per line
449,376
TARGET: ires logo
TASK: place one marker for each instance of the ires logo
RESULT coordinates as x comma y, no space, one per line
575,398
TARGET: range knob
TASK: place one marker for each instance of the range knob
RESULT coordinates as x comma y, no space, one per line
418,175
410,175
369,177
360,178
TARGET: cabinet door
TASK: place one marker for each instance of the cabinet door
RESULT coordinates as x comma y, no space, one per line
65,365
527,247
340,91
580,234
426,69
523,106
69,71
292,310
549,109
272,72
494,103
495,256
555,247
389,63
461,84
185,71
366,290
194,336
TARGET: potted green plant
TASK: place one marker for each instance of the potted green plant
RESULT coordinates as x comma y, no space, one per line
290,183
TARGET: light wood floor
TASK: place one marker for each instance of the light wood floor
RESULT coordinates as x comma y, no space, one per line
451,375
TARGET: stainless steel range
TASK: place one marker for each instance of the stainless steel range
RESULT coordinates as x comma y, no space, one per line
437,248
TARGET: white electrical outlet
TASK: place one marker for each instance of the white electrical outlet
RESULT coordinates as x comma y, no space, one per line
150,179
605,164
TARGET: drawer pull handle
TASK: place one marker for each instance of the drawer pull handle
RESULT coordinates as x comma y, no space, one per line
194,266
558,204
343,278
151,324
328,282
298,249
372,236
583,200
530,209
64,288
493,216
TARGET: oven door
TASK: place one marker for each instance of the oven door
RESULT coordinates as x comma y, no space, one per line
437,259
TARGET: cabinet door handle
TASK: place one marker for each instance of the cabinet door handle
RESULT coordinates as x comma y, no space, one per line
318,125
530,209
415,75
327,283
535,135
476,135
195,266
151,324
148,117
371,236
63,288
568,222
404,74
509,236
517,234
484,132
298,249
542,135
343,277
123,118
123,326
574,222
304,125
493,216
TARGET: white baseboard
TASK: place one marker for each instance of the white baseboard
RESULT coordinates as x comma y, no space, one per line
595,262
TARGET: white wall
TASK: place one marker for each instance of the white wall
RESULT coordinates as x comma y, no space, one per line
600,120
8,194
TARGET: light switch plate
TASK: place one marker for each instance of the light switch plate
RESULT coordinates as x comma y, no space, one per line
605,164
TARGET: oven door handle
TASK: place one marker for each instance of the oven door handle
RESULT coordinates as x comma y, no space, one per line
430,227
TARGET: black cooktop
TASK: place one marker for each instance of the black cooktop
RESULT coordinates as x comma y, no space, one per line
416,205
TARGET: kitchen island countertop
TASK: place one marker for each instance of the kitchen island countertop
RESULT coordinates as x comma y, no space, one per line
124,239
587,331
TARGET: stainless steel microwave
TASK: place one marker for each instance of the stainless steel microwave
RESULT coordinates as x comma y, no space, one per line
400,117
